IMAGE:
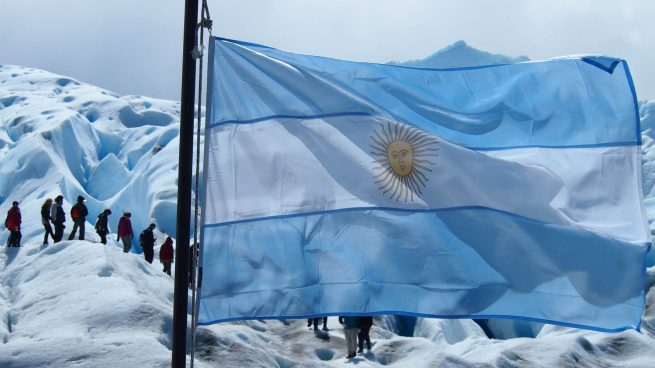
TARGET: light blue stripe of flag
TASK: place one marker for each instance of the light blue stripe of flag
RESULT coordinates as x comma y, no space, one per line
557,103
472,263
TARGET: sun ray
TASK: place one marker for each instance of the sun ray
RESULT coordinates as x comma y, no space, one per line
390,135
379,142
396,186
418,175
377,145
401,133
401,190
389,176
424,161
407,189
423,167
377,150
425,141
412,179
386,184
424,148
384,178
415,134
394,183
413,184
384,140
427,149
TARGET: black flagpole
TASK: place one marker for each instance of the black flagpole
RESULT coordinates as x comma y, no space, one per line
184,186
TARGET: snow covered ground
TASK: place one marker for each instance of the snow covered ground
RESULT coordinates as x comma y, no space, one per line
82,304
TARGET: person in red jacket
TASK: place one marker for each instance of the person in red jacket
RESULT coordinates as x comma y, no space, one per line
12,222
125,233
166,255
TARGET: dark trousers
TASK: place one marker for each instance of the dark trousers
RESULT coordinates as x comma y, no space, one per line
14,238
315,322
103,237
79,222
148,252
48,231
167,267
59,232
363,335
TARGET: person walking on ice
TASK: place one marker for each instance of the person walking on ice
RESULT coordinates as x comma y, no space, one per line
166,255
315,322
147,240
350,331
58,217
102,227
125,233
12,223
45,220
78,214
364,324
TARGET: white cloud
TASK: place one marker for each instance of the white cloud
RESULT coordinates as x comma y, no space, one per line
135,47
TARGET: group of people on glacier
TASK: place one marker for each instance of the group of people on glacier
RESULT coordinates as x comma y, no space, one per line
355,328
53,215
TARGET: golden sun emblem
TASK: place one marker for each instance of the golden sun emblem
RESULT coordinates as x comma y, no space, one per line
402,155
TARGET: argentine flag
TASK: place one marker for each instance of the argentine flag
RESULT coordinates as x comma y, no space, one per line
343,188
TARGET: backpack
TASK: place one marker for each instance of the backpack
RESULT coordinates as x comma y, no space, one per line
99,223
76,212
143,237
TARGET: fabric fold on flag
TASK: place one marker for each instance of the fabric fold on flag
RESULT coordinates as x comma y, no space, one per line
505,191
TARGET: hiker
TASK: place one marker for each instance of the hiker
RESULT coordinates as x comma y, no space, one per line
125,233
147,240
364,324
314,321
78,214
193,263
166,255
12,222
45,220
350,332
58,217
102,226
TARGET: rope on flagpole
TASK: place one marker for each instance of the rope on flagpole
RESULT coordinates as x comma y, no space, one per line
197,53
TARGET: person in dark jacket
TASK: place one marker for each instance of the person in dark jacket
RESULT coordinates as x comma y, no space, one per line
78,214
147,240
45,220
166,255
193,264
315,322
58,218
125,233
350,331
12,223
364,324
102,226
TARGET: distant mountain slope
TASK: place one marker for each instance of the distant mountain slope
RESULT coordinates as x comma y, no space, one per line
460,54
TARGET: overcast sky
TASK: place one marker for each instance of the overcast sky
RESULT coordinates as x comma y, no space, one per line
134,46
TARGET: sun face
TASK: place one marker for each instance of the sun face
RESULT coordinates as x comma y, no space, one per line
402,157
